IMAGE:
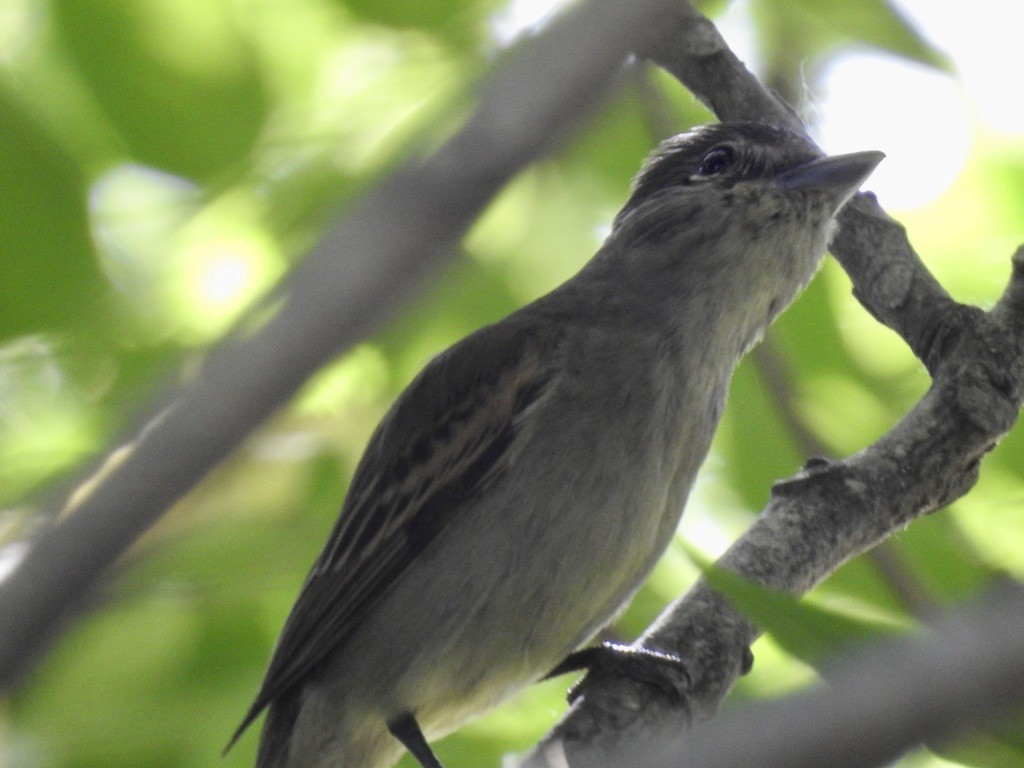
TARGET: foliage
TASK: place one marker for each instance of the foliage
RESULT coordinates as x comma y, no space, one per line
164,162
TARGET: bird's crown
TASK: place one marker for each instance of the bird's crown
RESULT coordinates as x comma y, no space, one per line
721,154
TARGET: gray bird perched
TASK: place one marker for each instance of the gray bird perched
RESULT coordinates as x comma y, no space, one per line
522,487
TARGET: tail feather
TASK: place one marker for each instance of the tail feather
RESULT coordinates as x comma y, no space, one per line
277,729
252,714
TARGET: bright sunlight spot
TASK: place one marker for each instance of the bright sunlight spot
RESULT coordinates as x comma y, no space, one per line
979,51
520,16
217,274
186,267
926,128
225,278
20,22
925,133
134,212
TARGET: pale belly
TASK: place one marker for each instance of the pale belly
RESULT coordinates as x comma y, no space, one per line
517,580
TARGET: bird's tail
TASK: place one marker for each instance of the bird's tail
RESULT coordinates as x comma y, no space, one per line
277,731
276,734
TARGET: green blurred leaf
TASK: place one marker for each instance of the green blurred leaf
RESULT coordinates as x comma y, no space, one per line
809,632
460,22
175,77
50,279
998,748
791,31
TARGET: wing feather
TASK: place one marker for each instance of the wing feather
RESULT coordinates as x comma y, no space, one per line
446,437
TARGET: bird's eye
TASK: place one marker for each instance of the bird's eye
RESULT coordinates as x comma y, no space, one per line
715,162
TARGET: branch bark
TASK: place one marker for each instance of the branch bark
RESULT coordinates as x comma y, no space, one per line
965,672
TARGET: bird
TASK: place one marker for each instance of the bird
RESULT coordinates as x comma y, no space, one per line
519,491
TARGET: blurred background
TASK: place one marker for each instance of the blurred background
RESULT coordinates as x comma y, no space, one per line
164,162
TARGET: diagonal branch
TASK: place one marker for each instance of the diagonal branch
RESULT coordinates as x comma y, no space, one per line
965,672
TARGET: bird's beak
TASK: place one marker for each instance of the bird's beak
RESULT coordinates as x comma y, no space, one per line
838,175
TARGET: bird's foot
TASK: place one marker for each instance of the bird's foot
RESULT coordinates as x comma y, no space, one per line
663,671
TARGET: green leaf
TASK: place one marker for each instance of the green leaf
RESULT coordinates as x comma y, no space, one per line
175,76
790,31
997,748
809,632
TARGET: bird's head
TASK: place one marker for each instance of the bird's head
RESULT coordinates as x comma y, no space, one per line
732,219
716,158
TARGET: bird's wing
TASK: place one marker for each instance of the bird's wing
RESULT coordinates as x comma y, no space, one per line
446,437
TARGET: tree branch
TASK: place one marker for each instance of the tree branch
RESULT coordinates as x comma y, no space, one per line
963,672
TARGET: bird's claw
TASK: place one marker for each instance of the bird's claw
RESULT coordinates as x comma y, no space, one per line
663,671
